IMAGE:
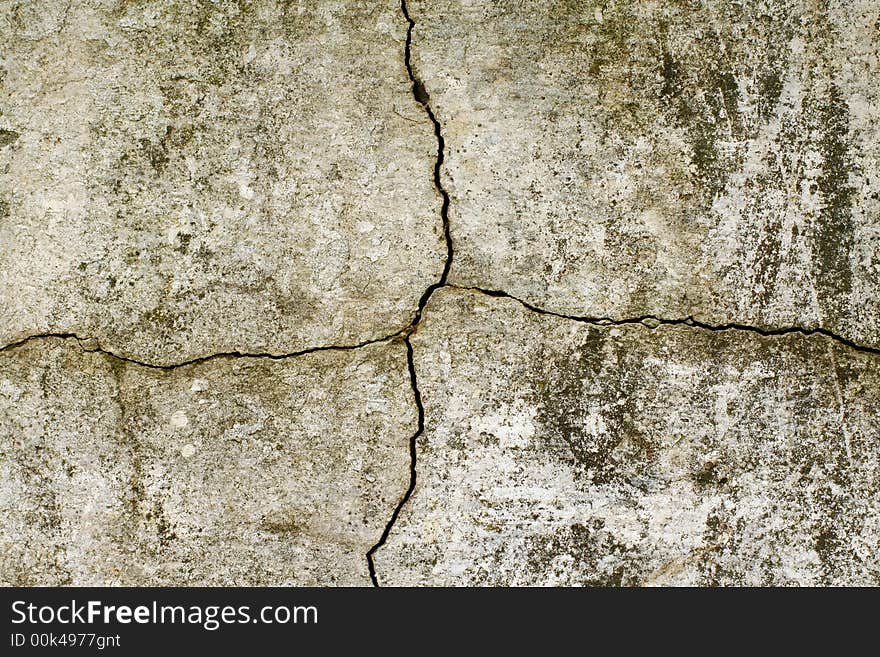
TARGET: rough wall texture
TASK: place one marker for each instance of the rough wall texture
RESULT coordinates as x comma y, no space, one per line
573,453
184,178
245,471
441,292
713,158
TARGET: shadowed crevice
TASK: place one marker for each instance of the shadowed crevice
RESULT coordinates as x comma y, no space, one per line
90,345
423,98
420,428
652,322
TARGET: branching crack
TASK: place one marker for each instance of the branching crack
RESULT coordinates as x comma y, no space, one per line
422,97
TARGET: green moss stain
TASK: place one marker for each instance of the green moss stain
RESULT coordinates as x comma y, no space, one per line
585,401
590,556
680,65
722,539
7,137
703,100
819,126
183,241
162,321
836,520
287,522
834,231
769,90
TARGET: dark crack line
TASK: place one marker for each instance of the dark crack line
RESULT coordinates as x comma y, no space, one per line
83,344
422,98
652,322
420,428
646,321
420,93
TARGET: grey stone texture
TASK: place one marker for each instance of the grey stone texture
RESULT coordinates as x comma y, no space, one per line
194,177
707,158
564,453
235,350
235,471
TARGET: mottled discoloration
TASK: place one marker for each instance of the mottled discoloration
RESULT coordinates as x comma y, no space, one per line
234,471
570,388
636,455
673,158
814,152
7,137
252,176
298,292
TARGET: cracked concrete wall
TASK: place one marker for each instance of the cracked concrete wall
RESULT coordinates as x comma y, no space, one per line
439,292
714,158
194,177
235,471
576,453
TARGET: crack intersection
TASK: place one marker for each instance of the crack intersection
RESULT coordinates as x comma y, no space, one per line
422,97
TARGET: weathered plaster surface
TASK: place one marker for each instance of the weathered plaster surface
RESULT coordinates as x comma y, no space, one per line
244,471
440,292
187,178
559,452
711,158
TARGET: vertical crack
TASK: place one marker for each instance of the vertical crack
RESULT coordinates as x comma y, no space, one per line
420,427
424,99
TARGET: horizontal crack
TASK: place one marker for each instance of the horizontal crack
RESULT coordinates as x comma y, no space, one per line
652,322
422,97
85,346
